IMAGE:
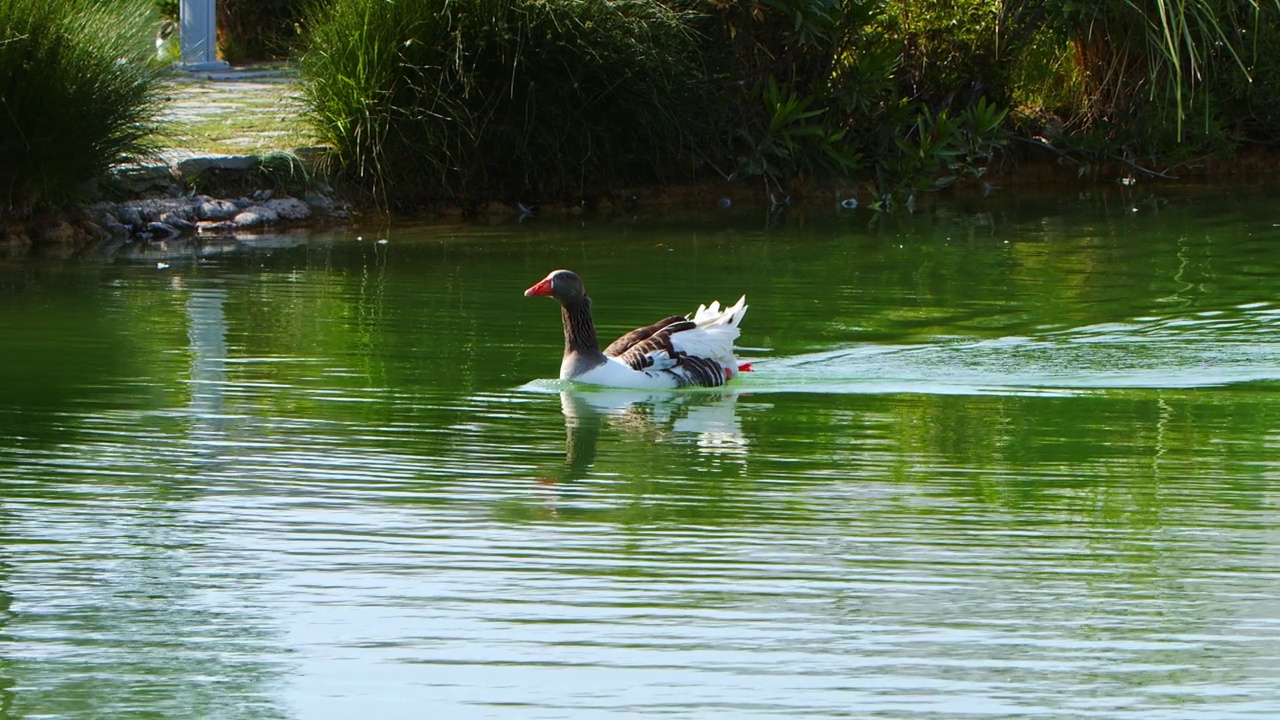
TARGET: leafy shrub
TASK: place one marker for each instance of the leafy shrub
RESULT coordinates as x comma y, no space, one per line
797,140
1159,69
938,150
502,98
259,29
168,9
769,66
1047,78
78,92
1252,97
794,43
952,51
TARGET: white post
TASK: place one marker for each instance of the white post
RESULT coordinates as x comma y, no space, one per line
199,27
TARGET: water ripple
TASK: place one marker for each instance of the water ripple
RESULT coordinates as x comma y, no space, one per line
1166,352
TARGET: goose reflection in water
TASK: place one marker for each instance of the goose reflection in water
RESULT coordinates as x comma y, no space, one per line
706,420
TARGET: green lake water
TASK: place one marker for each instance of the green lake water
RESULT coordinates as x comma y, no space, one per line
1006,457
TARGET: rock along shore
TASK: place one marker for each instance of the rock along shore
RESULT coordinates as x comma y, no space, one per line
159,211
186,196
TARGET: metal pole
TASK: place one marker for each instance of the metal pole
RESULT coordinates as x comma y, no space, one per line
199,24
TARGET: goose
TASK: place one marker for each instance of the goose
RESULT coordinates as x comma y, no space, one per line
677,351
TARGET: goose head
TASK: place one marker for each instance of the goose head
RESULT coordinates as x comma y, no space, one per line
563,285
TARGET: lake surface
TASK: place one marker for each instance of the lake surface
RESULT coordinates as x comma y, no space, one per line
1006,457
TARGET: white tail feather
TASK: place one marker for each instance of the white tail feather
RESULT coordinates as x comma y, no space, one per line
715,332
713,315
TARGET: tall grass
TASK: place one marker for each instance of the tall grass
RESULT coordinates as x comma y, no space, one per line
1181,39
78,92
502,98
1252,98
1155,71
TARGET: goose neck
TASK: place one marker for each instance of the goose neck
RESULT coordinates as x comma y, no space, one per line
579,328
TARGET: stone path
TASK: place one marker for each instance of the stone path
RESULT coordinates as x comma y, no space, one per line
224,120
254,109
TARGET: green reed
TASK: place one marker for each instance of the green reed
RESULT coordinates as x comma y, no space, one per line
79,91
516,99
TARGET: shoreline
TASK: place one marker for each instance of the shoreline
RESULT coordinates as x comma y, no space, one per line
237,164
164,207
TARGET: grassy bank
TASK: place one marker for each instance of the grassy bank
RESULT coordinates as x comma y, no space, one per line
543,101
551,100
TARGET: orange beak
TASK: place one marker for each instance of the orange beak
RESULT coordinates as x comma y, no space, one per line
542,288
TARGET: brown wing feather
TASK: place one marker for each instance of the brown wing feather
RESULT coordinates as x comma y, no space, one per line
638,355
700,371
626,342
